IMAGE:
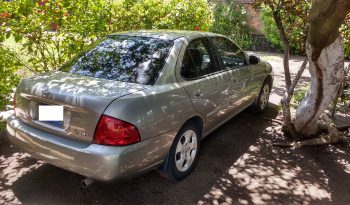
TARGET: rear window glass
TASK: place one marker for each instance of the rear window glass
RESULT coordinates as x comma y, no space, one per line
123,58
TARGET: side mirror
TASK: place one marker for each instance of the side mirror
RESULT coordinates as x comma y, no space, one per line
253,60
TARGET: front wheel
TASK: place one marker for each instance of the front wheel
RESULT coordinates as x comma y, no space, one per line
261,102
183,154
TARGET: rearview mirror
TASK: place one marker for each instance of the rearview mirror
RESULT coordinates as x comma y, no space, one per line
253,60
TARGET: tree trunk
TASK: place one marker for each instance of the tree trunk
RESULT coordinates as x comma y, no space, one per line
278,21
288,124
326,74
287,119
325,51
287,77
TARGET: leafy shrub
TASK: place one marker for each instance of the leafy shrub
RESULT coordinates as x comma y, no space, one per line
2,126
299,95
47,33
230,19
295,27
345,33
160,14
8,76
50,32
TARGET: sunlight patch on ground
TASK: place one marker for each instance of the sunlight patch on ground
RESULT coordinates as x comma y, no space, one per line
12,168
271,58
341,158
267,177
267,56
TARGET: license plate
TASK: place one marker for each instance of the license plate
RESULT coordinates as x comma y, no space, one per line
54,123
51,114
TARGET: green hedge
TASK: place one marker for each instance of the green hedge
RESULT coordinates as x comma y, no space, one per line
49,32
41,35
296,29
296,32
9,65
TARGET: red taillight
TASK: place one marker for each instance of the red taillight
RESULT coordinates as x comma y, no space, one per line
111,131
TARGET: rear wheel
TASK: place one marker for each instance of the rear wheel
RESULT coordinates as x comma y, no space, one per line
261,102
183,154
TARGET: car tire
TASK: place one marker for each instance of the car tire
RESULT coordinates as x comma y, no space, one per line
262,100
183,154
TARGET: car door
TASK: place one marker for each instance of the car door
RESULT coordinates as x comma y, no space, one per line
204,82
234,61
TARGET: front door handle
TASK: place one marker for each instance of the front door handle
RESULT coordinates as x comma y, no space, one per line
197,93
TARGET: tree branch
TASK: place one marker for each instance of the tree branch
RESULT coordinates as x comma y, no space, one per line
287,118
298,76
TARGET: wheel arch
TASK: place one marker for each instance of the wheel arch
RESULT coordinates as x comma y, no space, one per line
269,79
197,120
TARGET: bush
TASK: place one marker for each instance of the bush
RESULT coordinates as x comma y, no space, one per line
50,32
230,19
160,14
8,76
295,27
2,126
47,33
299,95
345,33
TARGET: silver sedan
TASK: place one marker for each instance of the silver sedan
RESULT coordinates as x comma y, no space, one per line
136,101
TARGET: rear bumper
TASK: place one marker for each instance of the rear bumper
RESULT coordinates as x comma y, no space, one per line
102,163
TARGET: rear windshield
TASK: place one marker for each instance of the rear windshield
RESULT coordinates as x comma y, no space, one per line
123,58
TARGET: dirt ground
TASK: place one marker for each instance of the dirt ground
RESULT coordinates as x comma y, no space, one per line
237,165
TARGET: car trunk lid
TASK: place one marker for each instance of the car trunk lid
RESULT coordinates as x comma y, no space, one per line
84,100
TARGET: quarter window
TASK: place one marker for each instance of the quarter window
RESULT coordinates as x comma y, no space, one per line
231,55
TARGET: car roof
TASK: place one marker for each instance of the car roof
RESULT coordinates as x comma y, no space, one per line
166,34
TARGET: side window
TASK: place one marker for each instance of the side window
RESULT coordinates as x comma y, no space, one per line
198,59
231,55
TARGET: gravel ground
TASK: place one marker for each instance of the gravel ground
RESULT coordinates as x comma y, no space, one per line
237,165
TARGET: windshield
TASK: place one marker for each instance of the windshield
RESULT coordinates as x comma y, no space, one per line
123,58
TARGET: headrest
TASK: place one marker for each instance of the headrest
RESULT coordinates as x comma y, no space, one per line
196,56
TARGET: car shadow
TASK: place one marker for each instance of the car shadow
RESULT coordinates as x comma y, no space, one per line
237,165
219,151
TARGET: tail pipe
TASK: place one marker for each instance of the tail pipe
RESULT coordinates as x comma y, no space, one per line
86,182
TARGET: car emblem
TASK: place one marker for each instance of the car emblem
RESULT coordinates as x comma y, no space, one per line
45,92
84,134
